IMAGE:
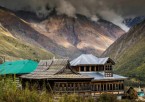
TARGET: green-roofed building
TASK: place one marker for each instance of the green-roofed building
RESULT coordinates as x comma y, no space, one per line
18,67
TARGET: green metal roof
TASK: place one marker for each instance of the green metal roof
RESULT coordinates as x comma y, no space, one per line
18,67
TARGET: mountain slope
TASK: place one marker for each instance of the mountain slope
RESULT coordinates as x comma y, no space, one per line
80,33
130,22
60,34
13,48
129,52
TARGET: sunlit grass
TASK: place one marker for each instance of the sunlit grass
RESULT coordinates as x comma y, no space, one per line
13,48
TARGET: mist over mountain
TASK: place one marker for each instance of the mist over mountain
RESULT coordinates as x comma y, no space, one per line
114,11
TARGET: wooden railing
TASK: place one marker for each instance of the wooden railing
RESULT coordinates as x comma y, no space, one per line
72,87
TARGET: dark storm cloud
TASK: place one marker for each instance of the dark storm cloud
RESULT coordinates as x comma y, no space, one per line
111,10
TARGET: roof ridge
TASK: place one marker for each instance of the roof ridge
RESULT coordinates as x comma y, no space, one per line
61,68
88,59
65,67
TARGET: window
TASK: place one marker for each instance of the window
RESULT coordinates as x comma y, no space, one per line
101,68
108,67
111,87
121,87
82,68
87,68
97,68
108,88
99,88
108,74
93,68
117,87
102,87
105,87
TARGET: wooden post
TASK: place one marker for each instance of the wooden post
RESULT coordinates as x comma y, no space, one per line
115,86
103,86
66,86
104,67
74,87
118,87
78,86
97,88
100,88
90,68
95,68
123,87
84,68
106,87
112,87
109,87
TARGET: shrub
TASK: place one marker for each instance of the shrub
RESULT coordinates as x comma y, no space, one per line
107,98
10,93
75,98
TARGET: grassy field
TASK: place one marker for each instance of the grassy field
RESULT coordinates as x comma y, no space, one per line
132,61
9,92
13,48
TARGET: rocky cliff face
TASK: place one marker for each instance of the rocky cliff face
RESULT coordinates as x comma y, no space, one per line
60,34
129,52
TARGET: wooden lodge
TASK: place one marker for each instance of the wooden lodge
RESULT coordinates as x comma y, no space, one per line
101,69
58,77
86,74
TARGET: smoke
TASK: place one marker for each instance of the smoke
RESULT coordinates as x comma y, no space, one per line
65,7
113,17
111,10
94,18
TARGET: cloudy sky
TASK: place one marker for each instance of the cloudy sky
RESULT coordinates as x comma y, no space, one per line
111,10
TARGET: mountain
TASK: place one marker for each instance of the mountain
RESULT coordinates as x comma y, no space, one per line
13,48
61,34
130,22
129,52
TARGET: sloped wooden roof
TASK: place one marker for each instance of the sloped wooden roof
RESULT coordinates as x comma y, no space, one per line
89,59
54,69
